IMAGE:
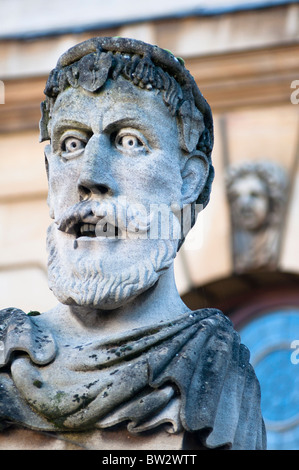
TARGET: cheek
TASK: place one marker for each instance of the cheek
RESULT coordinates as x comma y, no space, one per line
261,208
62,186
156,179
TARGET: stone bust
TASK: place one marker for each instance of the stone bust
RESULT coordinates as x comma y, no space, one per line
121,354
257,194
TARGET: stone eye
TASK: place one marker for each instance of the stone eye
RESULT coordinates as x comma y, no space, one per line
255,195
128,142
72,144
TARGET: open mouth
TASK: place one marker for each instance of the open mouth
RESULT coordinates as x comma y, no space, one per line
83,229
90,220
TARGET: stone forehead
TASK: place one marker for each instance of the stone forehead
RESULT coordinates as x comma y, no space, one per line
118,99
249,180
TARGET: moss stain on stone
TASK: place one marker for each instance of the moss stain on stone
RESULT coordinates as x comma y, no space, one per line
33,313
37,383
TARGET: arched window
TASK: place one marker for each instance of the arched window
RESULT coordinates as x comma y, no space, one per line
271,339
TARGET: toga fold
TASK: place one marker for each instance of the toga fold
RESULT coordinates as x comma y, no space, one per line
190,375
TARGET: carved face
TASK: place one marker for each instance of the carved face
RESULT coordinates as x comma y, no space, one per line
249,202
111,152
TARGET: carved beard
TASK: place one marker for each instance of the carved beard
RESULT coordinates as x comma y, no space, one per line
88,284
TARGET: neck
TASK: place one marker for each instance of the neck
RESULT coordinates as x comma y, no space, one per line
160,303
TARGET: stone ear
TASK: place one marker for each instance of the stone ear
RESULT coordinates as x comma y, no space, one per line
47,152
43,123
194,175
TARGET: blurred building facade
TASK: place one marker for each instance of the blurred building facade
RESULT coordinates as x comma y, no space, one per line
245,61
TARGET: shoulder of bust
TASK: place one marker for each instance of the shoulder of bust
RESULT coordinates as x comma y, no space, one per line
18,332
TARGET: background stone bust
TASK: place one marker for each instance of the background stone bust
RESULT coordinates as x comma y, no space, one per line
257,194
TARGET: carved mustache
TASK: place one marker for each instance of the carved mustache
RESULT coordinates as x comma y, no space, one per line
94,218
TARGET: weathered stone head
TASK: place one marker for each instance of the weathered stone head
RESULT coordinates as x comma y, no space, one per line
257,194
130,149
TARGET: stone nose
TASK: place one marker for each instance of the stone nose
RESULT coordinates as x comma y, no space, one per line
87,187
245,201
96,176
